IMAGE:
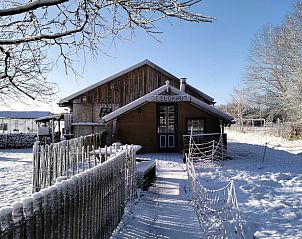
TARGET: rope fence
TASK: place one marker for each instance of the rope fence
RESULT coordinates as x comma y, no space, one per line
217,209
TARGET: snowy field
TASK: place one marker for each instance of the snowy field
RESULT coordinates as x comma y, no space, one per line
15,175
268,183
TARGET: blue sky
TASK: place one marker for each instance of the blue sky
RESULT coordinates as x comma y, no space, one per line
212,56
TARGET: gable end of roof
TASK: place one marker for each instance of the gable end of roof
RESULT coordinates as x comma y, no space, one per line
136,66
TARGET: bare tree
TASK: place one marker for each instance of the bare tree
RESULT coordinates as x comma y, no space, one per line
29,28
237,106
274,73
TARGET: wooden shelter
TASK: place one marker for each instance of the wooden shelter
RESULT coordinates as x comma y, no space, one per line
145,105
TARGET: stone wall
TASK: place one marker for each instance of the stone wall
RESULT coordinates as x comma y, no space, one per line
17,140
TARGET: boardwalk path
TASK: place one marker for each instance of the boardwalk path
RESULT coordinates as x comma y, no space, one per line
164,211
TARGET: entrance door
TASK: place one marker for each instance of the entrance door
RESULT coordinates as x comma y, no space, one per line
167,127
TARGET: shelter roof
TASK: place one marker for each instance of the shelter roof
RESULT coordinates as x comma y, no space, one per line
171,90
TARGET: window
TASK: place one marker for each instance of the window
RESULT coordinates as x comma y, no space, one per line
3,126
197,126
105,111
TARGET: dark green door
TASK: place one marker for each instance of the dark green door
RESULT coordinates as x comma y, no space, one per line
167,140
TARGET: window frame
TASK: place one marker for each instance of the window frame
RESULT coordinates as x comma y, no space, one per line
188,131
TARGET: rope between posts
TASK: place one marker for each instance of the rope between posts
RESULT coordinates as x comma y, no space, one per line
217,209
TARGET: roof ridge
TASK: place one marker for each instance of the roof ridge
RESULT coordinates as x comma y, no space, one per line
125,71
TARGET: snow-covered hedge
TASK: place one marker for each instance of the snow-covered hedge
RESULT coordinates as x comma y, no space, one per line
17,140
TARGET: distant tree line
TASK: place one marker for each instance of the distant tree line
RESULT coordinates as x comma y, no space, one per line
272,84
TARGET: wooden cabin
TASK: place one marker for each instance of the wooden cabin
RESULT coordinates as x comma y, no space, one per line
145,105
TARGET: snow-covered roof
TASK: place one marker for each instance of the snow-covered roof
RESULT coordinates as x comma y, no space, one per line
145,62
23,114
50,117
171,89
87,124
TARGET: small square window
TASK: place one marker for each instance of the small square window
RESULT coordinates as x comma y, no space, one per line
196,125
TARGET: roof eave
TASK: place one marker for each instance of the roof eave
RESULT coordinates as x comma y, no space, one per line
143,100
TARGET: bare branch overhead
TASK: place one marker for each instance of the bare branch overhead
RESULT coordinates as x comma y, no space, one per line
30,28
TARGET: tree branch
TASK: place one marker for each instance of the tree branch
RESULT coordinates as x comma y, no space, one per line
29,7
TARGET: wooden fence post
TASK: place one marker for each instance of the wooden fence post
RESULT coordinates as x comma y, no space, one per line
60,208
46,218
38,214
36,166
18,219
6,223
76,212
28,211
53,204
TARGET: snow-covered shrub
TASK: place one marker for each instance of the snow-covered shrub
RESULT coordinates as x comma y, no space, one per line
17,140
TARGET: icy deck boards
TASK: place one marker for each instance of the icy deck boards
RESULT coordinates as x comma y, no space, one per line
164,211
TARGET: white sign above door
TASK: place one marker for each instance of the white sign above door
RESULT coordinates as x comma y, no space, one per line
168,98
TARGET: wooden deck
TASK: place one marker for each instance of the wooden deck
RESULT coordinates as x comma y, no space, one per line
165,210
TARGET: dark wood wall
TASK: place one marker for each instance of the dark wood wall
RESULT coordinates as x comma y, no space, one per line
212,123
139,125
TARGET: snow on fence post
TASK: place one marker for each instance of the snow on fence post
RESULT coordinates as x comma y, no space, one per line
75,195
38,214
53,196
18,220
36,166
6,223
83,158
93,155
88,156
29,223
46,219
106,152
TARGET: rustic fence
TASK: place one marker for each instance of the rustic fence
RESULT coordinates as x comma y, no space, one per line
204,139
88,205
65,158
217,209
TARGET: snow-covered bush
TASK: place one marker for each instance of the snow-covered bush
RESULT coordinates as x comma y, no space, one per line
17,140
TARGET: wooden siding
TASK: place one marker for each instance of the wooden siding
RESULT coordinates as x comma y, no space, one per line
128,87
139,127
185,111
121,91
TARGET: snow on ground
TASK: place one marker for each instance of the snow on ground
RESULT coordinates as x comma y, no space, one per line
268,183
165,210
15,175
